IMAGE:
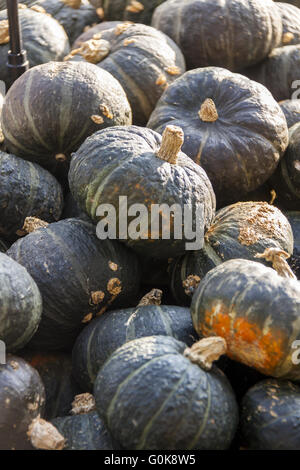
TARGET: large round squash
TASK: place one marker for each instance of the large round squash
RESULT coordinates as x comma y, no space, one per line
144,60
291,109
290,16
20,304
135,163
43,38
78,276
227,33
233,128
255,310
51,109
152,396
138,11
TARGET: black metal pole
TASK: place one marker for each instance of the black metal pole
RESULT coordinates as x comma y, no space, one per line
17,62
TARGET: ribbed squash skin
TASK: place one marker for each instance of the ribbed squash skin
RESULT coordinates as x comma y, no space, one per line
241,230
152,397
126,158
22,399
43,38
243,301
278,72
291,110
84,432
69,263
128,10
286,179
60,387
290,16
26,190
270,416
294,219
113,329
145,61
20,304
212,32
47,111
241,148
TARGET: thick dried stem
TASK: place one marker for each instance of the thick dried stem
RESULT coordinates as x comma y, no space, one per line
208,111
73,3
190,284
83,403
171,143
278,259
4,32
43,435
33,223
152,298
206,351
94,50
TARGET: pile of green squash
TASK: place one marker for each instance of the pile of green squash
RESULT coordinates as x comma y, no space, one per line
148,342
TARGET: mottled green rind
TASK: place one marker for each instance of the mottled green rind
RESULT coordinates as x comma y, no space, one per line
291,109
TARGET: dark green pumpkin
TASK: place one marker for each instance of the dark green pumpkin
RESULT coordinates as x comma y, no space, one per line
152,397
241,230
140,11
145,61
294,219
233,128
60,387
270,416
290,15
26,190
291,110
243,301
50,110
113,329
84,432
43,37
286,179
20,304
78,276
124,162
213,32
22,398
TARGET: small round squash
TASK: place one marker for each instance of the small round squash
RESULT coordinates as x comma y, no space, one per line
20,304
148,170
78,276
291,110
152,394
213,32
243,301
233,128
137,11
290,16
51,109
270,416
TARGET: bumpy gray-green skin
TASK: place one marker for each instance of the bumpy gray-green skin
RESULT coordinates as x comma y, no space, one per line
290,16
294,219
152,397
113,329
22,398
48,110
212,32
118,10
84,432
69,263
241,149
123,162
267,227
26,190
20,304
140,64
291,110
243,301
43,38
270,416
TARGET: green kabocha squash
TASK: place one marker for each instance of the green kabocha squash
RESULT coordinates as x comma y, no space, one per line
137,11
213,32
78,276
89,33
26,190
243,301
290,16
20,304
279,72
113,329
270,416
51,109
153,394
241,230
137,164
22,399
294,219
233,128
286,179
43,38
291,109
144,60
